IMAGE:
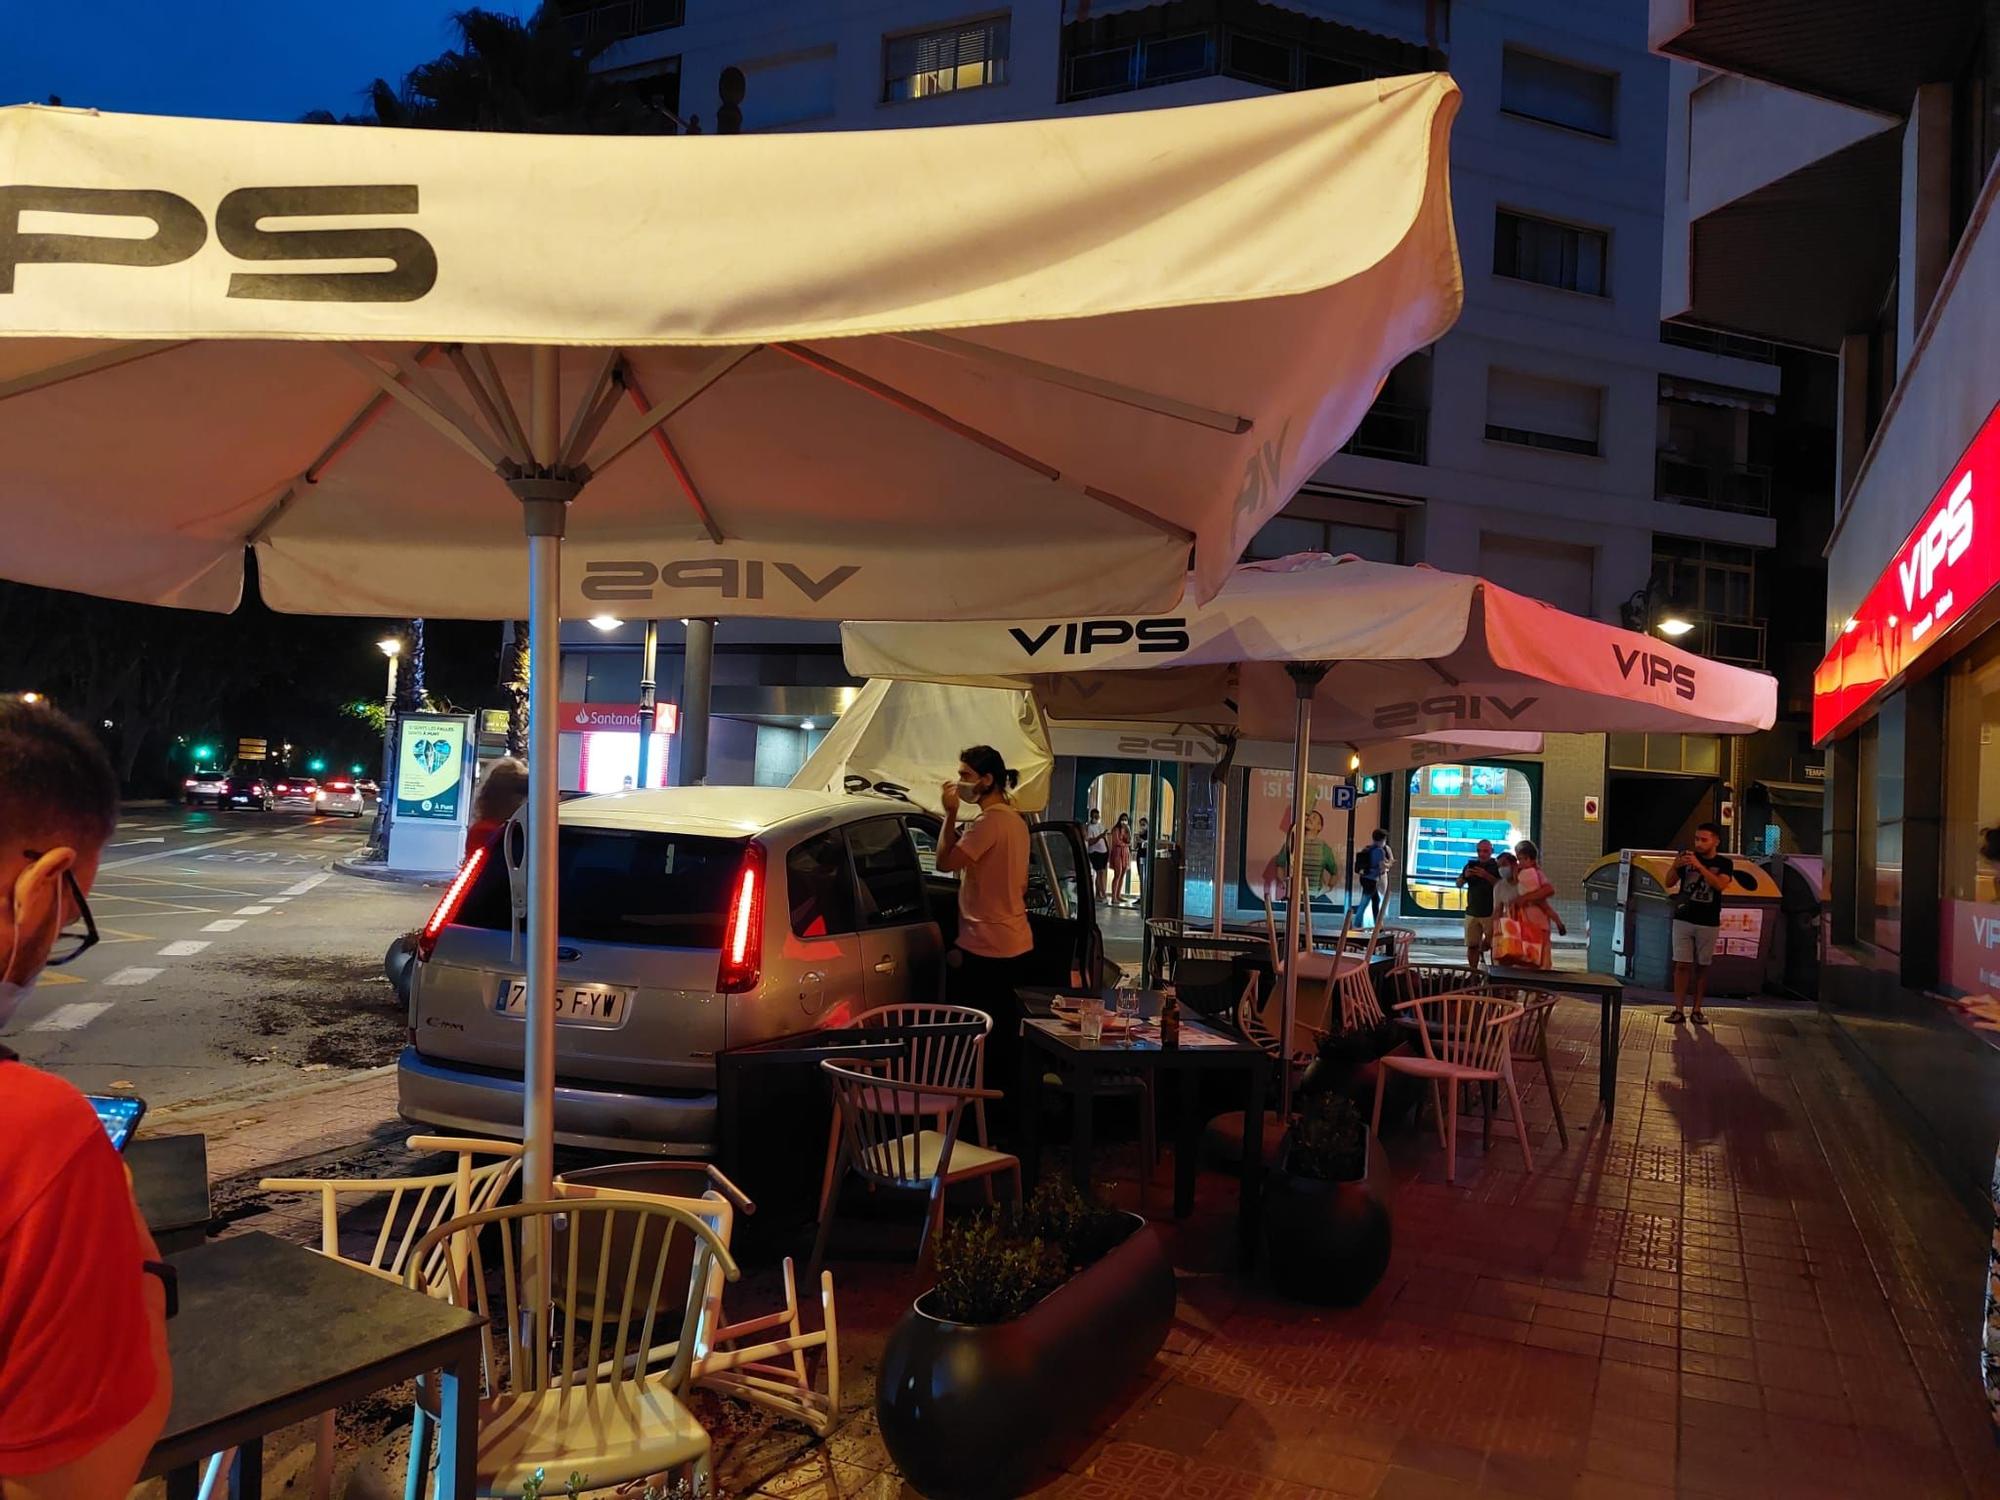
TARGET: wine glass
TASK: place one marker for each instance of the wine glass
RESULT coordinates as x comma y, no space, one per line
1128,1004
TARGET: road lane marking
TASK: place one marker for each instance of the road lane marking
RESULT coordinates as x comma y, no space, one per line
140,859
227,924
125,843
72,1017
304,885
251,911
185,948
275,899
132,976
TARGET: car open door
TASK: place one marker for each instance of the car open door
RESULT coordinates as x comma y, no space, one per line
1062,908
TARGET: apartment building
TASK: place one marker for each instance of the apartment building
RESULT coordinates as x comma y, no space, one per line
1561,440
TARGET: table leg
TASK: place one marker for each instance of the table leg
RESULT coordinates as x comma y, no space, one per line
1187,1139
1250,1184
246,1475
1607,1054
184,1483
1081,1144
1028,1117
458,1429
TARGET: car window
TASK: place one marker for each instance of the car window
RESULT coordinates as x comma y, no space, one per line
892,883
652,890
924,835
1054,882
821,887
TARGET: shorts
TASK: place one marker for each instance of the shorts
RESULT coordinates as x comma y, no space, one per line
1694,943
1478,931
1099,858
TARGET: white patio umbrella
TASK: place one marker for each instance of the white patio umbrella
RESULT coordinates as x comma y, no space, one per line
872,373
1339,647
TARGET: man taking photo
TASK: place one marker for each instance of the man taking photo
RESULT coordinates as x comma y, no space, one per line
1699,878
1477,879
84,1379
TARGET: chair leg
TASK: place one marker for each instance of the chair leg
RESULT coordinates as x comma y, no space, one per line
1555,1102
828,1195
1485,1116
1451,1139
1374,1120
322,1478
1437,1105
418,1471
831,1353
933,1224
1520,1120
700,1480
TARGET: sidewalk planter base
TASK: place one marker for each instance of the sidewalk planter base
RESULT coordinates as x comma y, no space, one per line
1328,1241
972,1411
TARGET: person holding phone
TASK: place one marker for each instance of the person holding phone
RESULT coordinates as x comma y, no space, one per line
1699,877
84,1377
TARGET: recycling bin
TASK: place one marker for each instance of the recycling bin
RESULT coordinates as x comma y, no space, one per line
1794,966
1631,920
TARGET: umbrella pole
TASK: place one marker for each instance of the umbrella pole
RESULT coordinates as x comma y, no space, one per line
1305,677
1221,846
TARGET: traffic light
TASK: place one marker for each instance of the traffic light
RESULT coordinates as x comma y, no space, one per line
316,766
355,770
204,752
1368,786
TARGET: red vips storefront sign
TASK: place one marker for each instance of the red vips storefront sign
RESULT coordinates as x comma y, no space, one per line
598,718
1945,567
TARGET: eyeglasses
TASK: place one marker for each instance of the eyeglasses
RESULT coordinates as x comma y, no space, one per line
78,935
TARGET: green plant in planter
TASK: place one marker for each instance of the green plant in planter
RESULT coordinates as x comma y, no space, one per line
1328,1140
996,1265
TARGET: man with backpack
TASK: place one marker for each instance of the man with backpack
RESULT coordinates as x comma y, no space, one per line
1373,864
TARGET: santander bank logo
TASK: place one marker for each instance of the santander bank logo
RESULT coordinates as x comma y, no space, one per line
1943,542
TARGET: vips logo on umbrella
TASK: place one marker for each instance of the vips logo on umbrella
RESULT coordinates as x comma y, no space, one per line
1654,670
1448,709
242,227
1081,637
430,767
610,582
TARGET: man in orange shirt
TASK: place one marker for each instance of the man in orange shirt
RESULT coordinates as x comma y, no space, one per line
84,1378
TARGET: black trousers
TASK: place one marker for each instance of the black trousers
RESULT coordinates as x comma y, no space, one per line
988,984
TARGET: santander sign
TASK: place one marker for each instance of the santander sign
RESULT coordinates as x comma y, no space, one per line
1945,567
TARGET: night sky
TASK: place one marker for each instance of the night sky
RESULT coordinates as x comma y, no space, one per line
240,59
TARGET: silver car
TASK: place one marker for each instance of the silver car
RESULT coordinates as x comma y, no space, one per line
694,919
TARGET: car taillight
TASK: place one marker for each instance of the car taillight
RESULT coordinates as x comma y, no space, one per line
281,786
743,931
189,782
447,909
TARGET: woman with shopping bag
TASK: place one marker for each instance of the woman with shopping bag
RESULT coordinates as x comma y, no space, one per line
1521,936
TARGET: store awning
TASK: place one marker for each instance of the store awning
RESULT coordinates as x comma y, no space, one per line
1794,793
1715,395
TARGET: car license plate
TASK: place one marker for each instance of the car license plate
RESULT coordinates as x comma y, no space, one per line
580,1004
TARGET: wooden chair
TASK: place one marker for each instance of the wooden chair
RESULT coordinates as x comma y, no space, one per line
904,1135
572,1385
415,1206
1531,1045
1466,1038
954,1059
767,1371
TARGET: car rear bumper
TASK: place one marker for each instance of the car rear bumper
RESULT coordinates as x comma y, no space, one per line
607,1118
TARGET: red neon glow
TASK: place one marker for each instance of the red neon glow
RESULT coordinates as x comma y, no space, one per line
454,897
1945,567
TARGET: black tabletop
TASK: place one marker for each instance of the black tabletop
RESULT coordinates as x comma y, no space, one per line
1576,981
270,1333
170,1180
1199,1041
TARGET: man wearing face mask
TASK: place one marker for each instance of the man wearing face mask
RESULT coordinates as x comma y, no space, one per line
84,1378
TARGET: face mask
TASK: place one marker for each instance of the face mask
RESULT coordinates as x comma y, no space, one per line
969,791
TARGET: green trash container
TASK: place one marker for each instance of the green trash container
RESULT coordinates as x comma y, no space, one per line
1644,955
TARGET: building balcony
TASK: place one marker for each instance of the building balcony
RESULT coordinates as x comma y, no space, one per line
1713,485
1741,643
1393,431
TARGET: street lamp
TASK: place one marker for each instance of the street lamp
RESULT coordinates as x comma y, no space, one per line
391,647
606,623
1674,626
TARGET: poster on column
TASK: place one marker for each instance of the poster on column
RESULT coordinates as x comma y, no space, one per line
433,771
1267,823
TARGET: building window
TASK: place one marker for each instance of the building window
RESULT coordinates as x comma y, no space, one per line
1539,88
1397,424
598,23
1282,536
1549,254
949,60
1878,834
1971,886
1538,412
1453,807
1707,578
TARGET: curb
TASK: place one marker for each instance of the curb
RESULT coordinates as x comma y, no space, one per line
252,1097
376,870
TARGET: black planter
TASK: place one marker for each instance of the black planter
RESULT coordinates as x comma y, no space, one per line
971,1411
1328,1242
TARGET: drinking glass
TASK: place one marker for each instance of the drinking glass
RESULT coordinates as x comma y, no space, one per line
1092,1021
1128,1005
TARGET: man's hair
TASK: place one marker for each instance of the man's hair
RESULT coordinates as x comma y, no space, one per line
1381,834
1709,828
54,776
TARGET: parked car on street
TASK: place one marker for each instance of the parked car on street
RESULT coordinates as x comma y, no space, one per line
338,796
693,920
249,790
206,789
295,791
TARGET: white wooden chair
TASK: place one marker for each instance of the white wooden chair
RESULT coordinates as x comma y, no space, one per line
1466,1038
761,1360
1531,1045
893,1134
572,1386
415,1206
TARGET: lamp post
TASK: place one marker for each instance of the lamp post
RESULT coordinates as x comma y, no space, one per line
392,648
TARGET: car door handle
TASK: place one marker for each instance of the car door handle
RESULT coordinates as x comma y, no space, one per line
885,966
812,976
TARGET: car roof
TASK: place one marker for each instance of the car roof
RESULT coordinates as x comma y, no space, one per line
718,811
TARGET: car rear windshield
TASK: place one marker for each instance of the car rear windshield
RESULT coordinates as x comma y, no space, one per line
651,890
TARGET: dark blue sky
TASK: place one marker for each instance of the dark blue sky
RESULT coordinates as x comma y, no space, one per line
241,59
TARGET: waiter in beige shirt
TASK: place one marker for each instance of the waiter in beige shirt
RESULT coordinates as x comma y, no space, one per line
991,860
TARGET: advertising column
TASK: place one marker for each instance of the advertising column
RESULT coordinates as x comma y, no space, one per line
433,791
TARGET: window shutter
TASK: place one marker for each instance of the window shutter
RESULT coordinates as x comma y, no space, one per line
1534,403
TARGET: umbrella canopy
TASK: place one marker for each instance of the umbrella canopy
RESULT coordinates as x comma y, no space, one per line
905,737
1411,651
790,395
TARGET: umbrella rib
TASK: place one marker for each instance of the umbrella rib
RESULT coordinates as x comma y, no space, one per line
386,379
673,458
517,435
582,429
615,447
1075,380
421,383
483,399
903,401
89,364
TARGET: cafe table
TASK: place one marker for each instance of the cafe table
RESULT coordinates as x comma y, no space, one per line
269,1333
170,1185
1051,1043
1608,990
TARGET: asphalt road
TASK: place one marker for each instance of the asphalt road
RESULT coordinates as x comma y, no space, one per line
230,957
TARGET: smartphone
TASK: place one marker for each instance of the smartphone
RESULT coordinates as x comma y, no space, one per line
119,1114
